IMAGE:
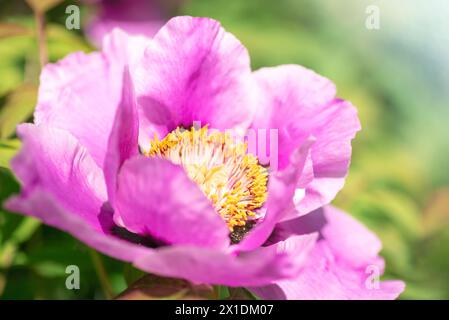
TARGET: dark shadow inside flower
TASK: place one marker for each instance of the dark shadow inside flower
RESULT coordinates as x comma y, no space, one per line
239,232
151,242
105,219
147,241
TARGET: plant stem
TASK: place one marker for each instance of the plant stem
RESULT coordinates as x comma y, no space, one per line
41,37
221,292
102,274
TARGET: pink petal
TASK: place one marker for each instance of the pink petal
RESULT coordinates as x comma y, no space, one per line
123,48
53,160
44,206
80,94
194,71
341,266
123,141
281,188
201,265
263,265
299,103
331,155
155,197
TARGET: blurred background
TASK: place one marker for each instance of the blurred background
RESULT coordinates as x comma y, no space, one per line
396,72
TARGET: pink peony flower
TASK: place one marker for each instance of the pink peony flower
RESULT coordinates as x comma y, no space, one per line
114,158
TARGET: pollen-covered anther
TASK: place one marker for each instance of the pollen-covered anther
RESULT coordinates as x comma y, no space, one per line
231,178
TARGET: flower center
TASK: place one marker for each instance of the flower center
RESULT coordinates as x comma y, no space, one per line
230,177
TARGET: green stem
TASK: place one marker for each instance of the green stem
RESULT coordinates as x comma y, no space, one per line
101,273
221,292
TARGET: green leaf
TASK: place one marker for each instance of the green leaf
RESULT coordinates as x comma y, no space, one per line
49,269
392,208
18,108
8,149
152,287
422,291
16,55
436,214
25,230
14,229
8,222
132,274
62,42
42,6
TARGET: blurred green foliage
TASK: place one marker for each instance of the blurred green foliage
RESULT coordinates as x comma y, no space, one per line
397,77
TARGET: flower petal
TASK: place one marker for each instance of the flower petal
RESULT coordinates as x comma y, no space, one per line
194,71
121,47
281,189
123,141
201,265
80,94
341,266
44,206
53,160
155,197
299,104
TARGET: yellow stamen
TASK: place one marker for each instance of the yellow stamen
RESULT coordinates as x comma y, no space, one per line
232,179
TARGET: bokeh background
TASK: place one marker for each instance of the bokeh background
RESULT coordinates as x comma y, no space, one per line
397,76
